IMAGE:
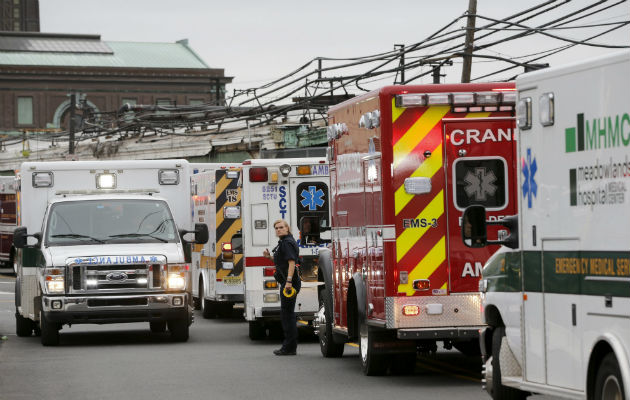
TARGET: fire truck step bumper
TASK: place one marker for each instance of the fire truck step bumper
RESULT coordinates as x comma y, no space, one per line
457,333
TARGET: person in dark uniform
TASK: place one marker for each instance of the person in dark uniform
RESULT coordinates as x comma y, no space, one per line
285,256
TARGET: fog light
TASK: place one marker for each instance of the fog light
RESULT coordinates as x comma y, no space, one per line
56,304
178,301
271,298
411,310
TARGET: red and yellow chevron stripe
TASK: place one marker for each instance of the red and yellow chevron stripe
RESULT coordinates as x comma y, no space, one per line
421,250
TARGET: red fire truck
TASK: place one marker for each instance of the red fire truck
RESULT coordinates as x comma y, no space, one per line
405,161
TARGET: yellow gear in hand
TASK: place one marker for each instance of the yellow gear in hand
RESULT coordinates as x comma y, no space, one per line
289,292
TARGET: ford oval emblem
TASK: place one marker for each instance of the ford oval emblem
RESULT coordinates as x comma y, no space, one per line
116,276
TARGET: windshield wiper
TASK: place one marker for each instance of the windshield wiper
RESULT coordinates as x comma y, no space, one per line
138,235
77,236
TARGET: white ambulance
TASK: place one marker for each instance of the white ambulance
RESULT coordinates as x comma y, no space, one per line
558,305
217,266
295,190
103,242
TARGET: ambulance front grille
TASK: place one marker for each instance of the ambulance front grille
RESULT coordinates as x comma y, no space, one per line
115,279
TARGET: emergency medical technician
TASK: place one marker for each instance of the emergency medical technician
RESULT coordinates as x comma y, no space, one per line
285,255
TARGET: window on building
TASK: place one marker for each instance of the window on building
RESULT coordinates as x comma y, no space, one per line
25,110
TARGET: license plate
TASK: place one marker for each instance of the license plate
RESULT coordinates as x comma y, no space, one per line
232,280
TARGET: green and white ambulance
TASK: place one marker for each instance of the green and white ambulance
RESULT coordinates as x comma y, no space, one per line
556,298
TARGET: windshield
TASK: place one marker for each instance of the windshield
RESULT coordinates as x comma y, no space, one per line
111,221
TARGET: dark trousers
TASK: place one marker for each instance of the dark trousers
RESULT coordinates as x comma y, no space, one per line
287,317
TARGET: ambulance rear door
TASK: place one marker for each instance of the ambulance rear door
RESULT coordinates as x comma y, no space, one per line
480,169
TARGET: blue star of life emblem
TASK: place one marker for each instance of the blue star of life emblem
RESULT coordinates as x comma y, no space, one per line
312,198
530,188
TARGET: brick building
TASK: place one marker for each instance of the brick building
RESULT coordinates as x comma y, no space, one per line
19,15
39,71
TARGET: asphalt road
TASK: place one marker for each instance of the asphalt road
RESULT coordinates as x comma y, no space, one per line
126,361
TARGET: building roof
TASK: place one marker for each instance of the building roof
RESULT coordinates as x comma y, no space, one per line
59,50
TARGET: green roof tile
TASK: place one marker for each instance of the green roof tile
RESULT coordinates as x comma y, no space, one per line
126,55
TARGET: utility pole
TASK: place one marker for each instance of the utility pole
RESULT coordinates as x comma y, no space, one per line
470,38
402,62
71,124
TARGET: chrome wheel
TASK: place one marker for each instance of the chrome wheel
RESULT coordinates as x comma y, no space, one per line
611,389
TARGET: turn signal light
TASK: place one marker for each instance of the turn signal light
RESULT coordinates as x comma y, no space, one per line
271,284
411,310
304,170
421,284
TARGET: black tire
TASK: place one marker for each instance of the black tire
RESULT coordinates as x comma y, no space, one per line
404,364
373,363
179,329
49,331
498,390
327,344
608,382
23,326
257,330
157,326
469,348
208,310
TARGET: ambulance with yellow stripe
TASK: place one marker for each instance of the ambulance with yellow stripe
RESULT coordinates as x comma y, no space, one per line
405,162
218,264
296,190
557,297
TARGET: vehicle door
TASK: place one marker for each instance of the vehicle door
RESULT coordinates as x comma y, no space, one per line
480,169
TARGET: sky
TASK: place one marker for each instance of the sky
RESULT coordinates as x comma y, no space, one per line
258,41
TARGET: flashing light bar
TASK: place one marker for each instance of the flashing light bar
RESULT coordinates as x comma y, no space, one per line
493,98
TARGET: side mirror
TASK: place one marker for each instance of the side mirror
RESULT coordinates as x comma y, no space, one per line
19,237
474,228
474,233
201,233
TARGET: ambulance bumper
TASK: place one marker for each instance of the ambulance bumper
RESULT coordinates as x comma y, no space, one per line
113,309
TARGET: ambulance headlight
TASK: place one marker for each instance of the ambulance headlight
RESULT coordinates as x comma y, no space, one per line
524,113
42,179
105,181
55,284
168,177
176,281
418,185
546,109
285,169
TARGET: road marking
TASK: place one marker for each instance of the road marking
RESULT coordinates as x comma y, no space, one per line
6,292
